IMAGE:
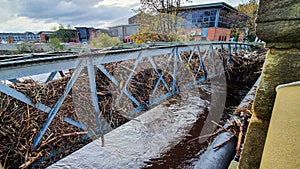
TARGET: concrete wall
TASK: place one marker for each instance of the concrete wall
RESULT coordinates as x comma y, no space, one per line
278,24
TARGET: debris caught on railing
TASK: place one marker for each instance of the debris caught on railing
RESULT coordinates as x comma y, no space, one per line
20,123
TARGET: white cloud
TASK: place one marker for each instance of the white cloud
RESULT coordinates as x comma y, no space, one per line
116,3
230,2
23,24
37,15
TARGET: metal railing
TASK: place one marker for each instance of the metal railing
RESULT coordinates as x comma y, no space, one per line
164,58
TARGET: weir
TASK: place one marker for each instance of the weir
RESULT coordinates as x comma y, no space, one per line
170,62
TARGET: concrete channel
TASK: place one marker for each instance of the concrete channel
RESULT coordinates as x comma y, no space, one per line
137,141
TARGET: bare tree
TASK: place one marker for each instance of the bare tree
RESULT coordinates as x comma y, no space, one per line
162,6
159,18
250,8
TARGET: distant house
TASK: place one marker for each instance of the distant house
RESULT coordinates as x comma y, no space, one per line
83,34
31,37
86,34
19,37
206,21
124,32
45,35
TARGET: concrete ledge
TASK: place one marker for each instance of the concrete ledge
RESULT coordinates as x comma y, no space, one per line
282,148
254,144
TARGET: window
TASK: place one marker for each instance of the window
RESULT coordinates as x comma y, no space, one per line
200,18
194,15
213,12
206,13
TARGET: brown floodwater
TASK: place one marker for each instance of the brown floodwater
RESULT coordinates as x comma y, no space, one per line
184,154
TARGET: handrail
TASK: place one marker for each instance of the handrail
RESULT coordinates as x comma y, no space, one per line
51,63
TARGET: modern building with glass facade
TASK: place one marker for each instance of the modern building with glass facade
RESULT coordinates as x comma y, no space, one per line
209,21
206,21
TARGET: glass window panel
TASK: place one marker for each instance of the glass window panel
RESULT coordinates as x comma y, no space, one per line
194,14
207,13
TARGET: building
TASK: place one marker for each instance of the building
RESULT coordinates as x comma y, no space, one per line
206,21
124,32
19,37
83,34
209,21
46,35
86,34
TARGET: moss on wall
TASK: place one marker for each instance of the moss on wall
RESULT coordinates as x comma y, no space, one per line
278,24
254,144
281,66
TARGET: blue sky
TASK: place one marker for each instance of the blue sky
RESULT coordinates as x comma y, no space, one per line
37,15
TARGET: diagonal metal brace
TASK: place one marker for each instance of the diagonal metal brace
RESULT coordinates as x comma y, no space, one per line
57,105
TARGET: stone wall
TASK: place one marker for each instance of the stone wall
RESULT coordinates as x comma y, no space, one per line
278,24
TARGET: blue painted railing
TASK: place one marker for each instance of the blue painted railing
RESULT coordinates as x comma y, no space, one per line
171,54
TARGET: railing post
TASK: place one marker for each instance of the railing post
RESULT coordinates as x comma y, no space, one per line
229,52
213,59
222,53
235,49
175,70
94,97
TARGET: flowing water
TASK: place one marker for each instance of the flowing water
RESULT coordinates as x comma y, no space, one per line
166,136
189,149
163,137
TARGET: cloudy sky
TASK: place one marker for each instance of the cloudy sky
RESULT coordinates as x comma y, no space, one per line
37,15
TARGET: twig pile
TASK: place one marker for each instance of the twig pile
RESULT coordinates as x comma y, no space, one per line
244,66
143,83
20,123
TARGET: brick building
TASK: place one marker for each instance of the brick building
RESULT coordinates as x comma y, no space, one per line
45,35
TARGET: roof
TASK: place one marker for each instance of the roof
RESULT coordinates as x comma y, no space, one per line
210,5
125,25
46,32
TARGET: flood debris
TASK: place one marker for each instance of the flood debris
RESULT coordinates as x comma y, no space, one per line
236,127
243,66
20,123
